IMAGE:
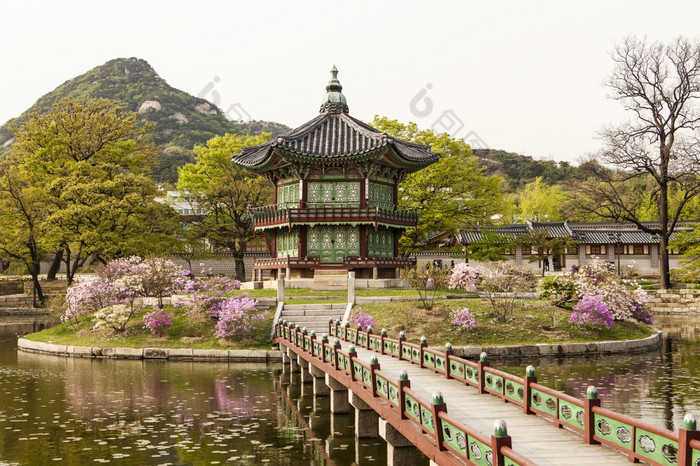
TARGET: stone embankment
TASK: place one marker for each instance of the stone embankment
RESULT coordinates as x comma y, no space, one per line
674,301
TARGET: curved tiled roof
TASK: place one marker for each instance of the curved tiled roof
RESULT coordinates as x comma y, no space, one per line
333,136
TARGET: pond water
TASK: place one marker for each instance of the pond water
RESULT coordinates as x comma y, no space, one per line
80,411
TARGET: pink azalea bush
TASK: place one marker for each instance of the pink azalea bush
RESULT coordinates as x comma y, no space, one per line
114,316
85,296
237,316
591,309
463,277
362,319
463,319
157,320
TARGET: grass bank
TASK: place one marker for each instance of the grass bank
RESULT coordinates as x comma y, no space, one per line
182,334
533,322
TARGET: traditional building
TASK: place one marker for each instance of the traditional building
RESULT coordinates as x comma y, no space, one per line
336,185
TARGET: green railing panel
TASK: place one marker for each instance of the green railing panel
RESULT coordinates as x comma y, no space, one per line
395,348
350,335
328,354
613,431
317,348
375,343
428,360
426,417
571,414
509,462
455,438
695,455
331,331
382,387
479,452
440,362
393,393
362,339
412,408
367,377
406,352
544,403
471,374
493,382
514,391
387,347
656,447
457,369
415,354
357,370
307,345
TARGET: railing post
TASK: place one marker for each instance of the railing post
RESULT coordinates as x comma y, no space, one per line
304,332
500,439
357,334
403,383
330,326
297,330
367,345
423,345
483,363
336,347
382,342
352,354
448,352
402,339
589,403
373,366
687,433
439,406
345,331
324,341
530,378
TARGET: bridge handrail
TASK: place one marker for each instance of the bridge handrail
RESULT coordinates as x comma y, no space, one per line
563,409
430,417
515,457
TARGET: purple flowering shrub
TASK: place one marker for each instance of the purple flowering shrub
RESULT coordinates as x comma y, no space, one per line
157,320
624,299
463,319
591,309
361,319
237,317
463,277
85,296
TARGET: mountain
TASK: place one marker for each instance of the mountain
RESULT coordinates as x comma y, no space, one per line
181,120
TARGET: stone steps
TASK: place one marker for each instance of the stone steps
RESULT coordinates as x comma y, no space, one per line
330,280
313,316
16,301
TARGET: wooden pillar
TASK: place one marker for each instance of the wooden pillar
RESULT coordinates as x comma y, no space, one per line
303,185
363,193
302,241
363,241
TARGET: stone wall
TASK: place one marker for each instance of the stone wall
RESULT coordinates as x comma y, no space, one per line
685,301
8,287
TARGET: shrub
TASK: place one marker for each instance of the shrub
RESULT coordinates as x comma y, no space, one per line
357,317
502,282
237,317
157,320
159,277
591,309
418,278
558,291
115,317
463,277
85,296
463,319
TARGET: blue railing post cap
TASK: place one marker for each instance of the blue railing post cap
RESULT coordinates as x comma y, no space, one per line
336,341
403,375
448,346
423,340
689,422
369,329
500,429
384,332
592,393
530,371
351,349
483,357
374,359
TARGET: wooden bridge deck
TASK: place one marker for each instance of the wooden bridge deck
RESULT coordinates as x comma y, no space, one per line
533,437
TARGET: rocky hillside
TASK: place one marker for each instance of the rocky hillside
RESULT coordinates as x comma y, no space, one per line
181,120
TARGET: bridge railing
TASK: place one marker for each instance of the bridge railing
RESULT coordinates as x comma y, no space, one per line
639,440
444,433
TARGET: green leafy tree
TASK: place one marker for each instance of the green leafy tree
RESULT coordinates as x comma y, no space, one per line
450,194
540,202
225,191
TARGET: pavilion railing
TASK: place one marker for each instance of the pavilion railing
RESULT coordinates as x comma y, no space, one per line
283,214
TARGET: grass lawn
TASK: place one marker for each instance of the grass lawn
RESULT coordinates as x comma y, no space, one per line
182,334
342,294
531,323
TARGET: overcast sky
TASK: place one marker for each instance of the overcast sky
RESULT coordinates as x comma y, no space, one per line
521,76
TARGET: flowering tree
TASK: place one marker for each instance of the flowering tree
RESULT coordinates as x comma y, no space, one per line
419,277
591,309
159,277
502,281
463,277
624,299
86,295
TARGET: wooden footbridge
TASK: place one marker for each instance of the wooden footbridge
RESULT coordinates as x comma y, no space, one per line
458,411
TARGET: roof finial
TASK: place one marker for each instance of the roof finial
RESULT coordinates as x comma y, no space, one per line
334,100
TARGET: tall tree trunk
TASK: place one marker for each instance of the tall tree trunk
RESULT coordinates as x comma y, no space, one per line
37,293
664,272
240,265
55,265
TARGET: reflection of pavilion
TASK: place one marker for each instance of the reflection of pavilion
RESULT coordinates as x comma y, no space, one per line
336,186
